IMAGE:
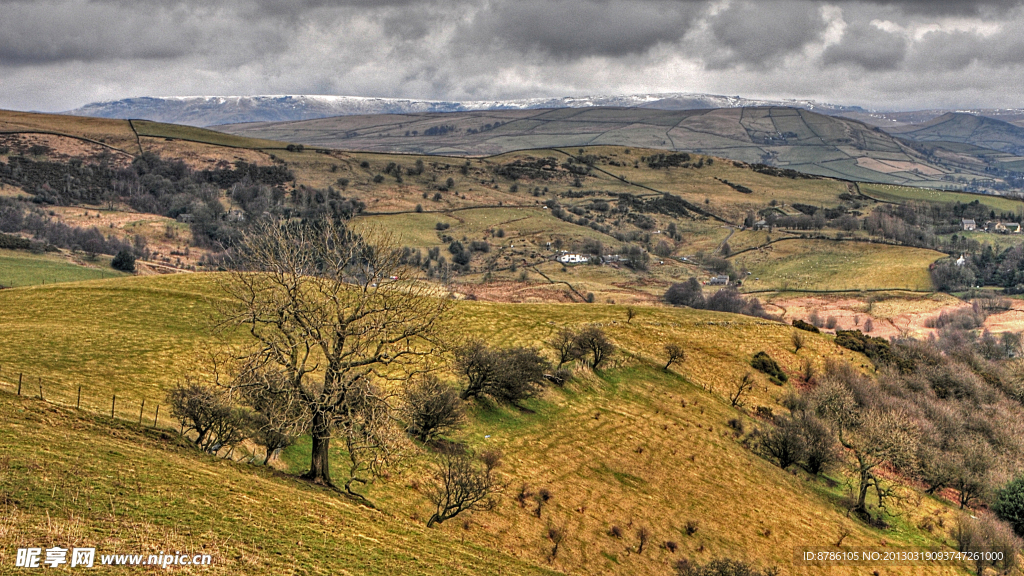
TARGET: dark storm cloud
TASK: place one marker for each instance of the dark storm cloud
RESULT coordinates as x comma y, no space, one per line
762,33
579,28
868,47
958,50
57,54
33,33
948,7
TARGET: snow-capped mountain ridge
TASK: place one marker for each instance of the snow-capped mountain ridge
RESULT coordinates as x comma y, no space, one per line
215,110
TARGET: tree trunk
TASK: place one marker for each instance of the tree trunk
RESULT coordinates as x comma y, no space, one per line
865,479
435,519
320,463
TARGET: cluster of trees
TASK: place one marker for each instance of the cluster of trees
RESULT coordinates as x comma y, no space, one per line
15,217
170,188
945,412
728,299
983,267
344,347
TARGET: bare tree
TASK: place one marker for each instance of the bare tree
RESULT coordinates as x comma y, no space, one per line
630,314
431,407
974,460
278,418
745,385
643,534
798,341
565,345
784,441
675,354
460,484
556,535
342,321
195,406
592,340
208,409
873,435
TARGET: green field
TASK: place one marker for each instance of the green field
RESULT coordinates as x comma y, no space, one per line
24,269
827,265
901,194
633,444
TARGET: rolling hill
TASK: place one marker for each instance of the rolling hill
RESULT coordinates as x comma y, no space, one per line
970,129
783,137
632,446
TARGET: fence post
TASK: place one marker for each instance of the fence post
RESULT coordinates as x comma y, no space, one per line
78,403
156,416
19,383
41,390
112,402
141,407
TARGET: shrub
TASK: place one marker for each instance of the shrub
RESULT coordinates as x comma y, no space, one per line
431,407
1009,504
784,442
207,412
687,293
877,349
762,362
798,323
691,527
508,375
124,261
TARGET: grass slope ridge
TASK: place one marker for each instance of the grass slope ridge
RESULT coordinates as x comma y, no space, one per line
70,479
633,446
785,137
966,129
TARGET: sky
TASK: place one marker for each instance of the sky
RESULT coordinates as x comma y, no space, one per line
57,55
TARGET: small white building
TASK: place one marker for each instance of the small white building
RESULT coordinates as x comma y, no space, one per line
719,281
568,258
961,260
968,224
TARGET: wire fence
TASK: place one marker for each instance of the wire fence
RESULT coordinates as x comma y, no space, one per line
127,407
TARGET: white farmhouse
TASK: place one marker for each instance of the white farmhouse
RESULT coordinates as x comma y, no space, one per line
573,259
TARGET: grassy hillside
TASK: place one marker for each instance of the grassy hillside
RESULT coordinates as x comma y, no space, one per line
68,478
967,129
632,446
784,137
521,208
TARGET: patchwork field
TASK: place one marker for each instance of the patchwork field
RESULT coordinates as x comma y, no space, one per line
798,139
836,266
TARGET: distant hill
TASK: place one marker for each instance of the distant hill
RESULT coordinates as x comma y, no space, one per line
887,120
781,136
966,129
213,110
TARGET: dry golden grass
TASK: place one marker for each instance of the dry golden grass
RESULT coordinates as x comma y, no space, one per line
615,448
828,265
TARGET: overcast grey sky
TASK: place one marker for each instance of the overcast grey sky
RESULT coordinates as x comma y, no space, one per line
61,54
